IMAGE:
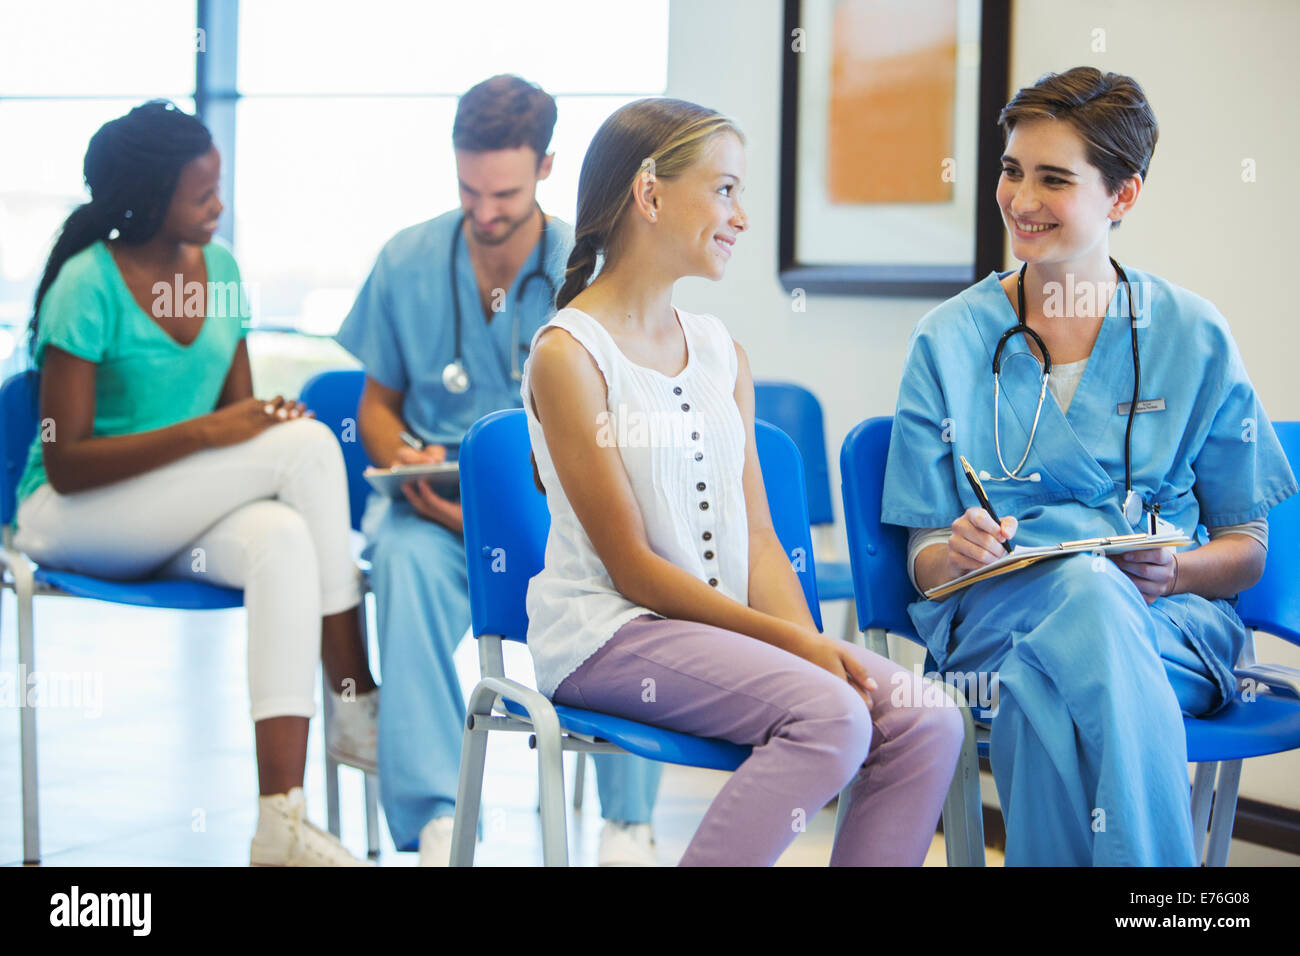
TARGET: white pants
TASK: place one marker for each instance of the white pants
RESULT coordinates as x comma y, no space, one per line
269,515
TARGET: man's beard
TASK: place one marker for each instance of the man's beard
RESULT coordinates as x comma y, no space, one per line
495,240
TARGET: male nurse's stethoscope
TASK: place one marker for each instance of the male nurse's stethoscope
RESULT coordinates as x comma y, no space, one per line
455,378
1132,501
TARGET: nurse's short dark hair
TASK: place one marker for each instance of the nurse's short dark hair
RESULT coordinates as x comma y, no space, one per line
504,112
1108,110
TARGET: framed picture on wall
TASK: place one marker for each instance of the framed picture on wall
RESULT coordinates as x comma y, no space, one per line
890,148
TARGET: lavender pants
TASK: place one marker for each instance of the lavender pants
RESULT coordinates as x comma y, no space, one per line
811,732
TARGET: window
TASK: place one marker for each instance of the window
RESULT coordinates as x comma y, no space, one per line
344,119
65,69
334,119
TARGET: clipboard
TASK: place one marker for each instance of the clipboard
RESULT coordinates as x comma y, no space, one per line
1023,557
443,477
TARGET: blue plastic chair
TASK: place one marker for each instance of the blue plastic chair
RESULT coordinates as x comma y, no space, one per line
334,396
796,411
506,525
1259,724
1217,745
19,414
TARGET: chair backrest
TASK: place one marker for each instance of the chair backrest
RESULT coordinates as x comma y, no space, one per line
19,412
796,411
877,552
787,502
334,396
1273,605
507,521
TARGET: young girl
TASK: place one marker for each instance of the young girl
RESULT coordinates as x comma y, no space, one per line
1097,660
154,458
666,596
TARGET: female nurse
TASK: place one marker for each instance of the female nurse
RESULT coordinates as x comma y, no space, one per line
154,458
1097,660
665,596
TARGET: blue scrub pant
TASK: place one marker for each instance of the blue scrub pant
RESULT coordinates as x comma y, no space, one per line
422,599
1088,747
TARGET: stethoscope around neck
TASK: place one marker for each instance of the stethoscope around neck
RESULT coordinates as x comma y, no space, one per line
1132,501
455,378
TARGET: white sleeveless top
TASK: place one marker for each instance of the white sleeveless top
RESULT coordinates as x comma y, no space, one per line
682,441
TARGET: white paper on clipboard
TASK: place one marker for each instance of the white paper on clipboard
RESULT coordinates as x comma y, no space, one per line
443,478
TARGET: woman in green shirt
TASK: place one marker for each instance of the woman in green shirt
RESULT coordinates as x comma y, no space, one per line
153,457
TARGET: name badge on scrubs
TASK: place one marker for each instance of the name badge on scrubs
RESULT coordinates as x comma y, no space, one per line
1145,405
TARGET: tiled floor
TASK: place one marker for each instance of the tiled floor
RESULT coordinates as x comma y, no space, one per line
147,755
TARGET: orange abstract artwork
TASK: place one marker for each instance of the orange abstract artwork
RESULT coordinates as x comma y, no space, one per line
893,80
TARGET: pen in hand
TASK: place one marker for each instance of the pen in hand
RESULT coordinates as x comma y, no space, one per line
983,498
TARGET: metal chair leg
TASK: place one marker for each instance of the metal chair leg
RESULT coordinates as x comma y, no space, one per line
1202,796
469,789
579,780
550,779
963,816
1225,813
332,796
372,814
23,587
842,804
851,632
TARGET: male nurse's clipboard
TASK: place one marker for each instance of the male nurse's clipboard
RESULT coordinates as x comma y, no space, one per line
1023,557
443,478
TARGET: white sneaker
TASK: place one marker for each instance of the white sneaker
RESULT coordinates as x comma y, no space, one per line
435,842
626,844
285,837
352,730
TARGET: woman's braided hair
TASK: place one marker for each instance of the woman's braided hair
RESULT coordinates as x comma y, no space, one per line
672,133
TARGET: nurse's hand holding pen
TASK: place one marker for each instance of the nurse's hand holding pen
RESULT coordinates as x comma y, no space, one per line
977,540
423,498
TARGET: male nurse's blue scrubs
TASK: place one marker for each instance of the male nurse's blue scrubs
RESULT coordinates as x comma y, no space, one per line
402,330
1087,747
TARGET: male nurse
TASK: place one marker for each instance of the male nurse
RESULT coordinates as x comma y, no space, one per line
442,326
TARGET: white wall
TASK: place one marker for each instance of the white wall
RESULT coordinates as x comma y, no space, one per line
1222,80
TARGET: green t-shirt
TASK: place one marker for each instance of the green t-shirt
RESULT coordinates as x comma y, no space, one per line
146,379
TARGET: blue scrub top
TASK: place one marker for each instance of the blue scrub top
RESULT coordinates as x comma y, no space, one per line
1208,457
402,326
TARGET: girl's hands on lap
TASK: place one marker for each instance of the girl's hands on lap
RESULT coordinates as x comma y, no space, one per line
836,657
1153,570
977,540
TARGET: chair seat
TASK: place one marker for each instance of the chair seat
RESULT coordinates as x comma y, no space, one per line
834,581
1266,725
654,743
177,595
